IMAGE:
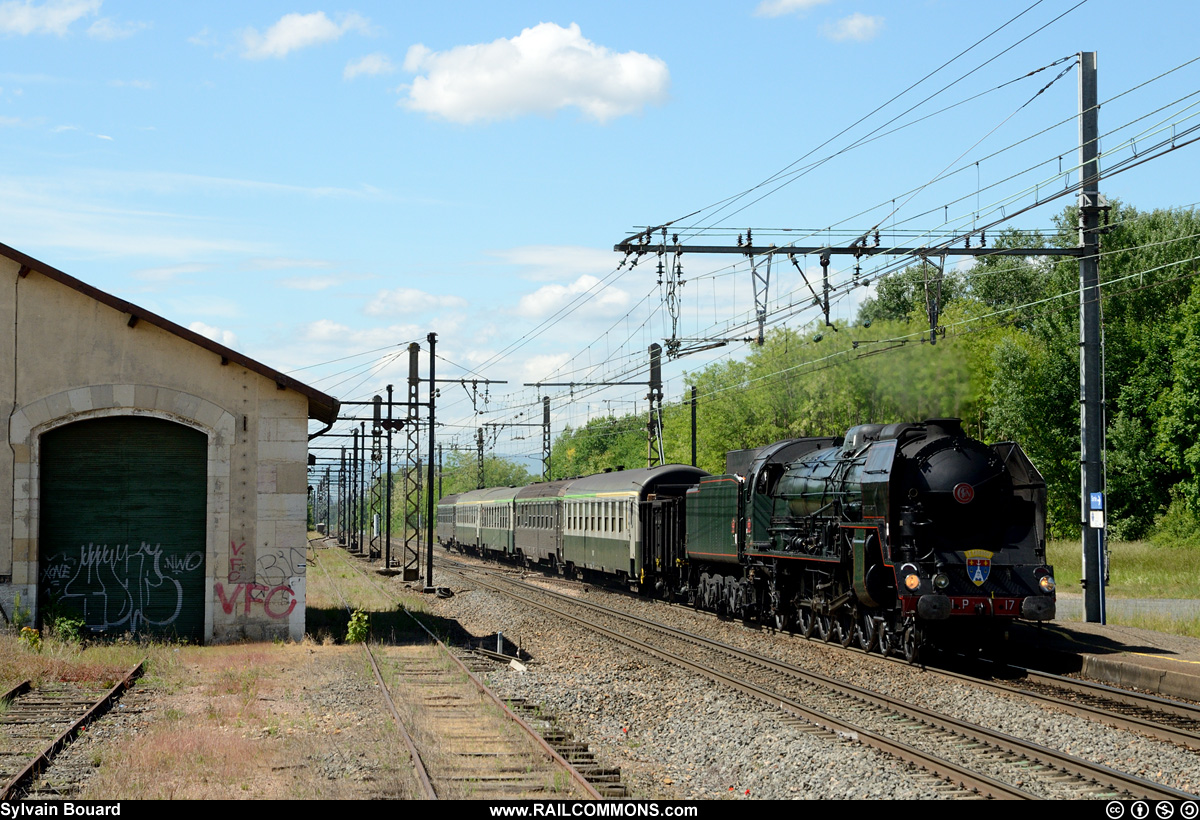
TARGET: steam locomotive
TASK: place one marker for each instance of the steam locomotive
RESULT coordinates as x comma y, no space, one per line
892,537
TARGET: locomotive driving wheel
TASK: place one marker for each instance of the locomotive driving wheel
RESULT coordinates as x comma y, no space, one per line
887,639
845,625
867,632
825,627
911,643
805,621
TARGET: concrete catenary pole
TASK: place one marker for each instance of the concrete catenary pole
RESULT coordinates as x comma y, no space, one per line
1091,371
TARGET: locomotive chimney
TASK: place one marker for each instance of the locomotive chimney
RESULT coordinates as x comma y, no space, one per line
936,428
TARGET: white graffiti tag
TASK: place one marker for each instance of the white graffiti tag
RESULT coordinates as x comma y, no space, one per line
122,585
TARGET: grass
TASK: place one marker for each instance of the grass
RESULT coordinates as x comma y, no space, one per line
1137,569
101,665
326,616
250,720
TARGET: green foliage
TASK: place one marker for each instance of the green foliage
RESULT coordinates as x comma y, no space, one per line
1034,401
1178,527
1006,283
460,473
30,638
906,295
607,442
21,616
358,628
1178,436
65,628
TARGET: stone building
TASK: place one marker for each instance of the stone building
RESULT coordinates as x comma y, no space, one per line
152,481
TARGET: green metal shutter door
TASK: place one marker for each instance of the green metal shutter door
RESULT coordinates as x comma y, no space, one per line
122,537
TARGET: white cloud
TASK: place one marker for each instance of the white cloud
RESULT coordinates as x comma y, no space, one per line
541,367
371,65
107,28
295,31
543,69
203,37
549,298
327,331
144,85
104,137
51,17
778,8
219,336
857,26
310,282
283,263
409,300
168,273
547,263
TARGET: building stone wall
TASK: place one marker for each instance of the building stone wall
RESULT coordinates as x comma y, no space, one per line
68,357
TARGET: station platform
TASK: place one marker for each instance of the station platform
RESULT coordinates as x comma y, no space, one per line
1155,662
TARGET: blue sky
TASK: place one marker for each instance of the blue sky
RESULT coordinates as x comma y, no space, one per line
308,182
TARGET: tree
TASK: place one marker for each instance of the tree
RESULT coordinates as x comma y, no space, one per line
603,443
907,294
1178,434
460,473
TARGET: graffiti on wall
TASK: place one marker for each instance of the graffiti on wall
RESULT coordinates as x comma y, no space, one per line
277,566
269,588
122,586
237,563
276,601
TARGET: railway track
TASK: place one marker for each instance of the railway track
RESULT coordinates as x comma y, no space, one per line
956,750
463,741
1150,715
36,723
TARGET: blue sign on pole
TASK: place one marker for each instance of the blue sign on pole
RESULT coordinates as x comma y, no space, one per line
1097,501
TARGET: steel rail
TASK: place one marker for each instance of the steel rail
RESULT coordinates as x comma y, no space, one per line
577,776
965,778
17,784
419,770
1183,737
573,773
18,690
1095,772
549,750
1144,701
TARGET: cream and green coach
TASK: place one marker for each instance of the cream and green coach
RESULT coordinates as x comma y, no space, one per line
606,521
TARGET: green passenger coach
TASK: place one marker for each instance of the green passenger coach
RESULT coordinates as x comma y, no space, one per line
609,517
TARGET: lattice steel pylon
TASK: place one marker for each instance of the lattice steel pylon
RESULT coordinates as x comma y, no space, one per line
377,491
411,568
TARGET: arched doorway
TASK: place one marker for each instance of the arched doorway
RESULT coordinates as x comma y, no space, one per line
122,525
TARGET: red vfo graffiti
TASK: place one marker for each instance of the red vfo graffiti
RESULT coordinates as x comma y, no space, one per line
277,601
237,564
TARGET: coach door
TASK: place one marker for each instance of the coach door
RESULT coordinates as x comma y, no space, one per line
122,535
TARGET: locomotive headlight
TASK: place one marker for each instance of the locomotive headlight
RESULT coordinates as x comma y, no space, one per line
941,581
1046,582
912,581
